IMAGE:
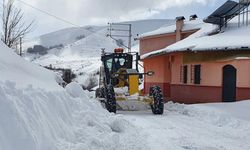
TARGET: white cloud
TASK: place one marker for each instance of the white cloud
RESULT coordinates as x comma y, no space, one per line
83,12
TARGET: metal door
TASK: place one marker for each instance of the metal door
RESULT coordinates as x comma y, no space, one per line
229,84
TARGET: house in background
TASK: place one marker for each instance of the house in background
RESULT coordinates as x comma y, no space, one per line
159,39
198,62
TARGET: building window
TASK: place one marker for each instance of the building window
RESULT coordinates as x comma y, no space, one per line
184,74
197,74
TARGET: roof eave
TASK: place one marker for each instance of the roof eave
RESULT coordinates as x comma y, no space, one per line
200,50
165,34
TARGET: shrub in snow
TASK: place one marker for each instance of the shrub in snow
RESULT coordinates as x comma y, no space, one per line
59,46
38,49
80,37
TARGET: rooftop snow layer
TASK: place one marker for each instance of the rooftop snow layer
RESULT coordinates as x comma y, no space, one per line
205,39
230,39
171,27
205,29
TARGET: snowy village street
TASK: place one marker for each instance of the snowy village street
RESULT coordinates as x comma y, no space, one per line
179,70
195,127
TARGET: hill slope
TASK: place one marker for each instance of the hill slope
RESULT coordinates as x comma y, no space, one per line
80,48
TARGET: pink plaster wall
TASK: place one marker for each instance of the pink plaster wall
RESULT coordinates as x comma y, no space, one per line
212,72
160,66
156,43
176,63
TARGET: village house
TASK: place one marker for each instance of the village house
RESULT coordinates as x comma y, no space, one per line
201,61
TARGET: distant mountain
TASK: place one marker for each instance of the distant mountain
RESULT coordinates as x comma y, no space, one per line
79,49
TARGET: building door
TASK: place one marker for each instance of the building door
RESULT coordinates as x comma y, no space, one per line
229,84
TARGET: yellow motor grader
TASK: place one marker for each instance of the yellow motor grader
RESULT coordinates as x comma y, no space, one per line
119,84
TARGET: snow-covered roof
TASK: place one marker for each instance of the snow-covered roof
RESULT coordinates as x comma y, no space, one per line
205,39
230,39
170,28
205,29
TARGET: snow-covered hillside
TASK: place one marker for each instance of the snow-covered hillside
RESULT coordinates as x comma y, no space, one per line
83,55
64,36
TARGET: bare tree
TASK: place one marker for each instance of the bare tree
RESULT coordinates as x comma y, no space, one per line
14,27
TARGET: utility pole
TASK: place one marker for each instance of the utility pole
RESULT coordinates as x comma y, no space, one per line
130,38
122,30
21,48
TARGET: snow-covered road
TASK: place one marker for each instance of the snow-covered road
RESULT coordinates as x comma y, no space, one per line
193,127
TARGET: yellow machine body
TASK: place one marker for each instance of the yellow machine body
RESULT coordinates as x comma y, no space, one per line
133,84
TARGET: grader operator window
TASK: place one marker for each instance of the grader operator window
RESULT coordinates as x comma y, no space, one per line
116,65
113,62
109,64
119,63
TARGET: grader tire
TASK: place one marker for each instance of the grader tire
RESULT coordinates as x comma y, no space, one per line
110,99
158,104
99,93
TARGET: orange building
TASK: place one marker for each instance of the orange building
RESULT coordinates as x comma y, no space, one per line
194,63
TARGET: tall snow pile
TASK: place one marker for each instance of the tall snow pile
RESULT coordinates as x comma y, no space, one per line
37,114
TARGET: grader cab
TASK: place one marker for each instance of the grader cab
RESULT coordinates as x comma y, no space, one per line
119,84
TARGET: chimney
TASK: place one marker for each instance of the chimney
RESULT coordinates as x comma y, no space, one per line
193,17
179,26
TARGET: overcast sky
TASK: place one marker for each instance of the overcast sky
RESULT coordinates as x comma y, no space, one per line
99,12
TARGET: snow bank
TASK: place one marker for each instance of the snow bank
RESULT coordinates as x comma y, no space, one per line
34,119
37,114
37,120
238,110
22,73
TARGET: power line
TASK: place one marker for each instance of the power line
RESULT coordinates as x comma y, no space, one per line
54,16
58,18
47,13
